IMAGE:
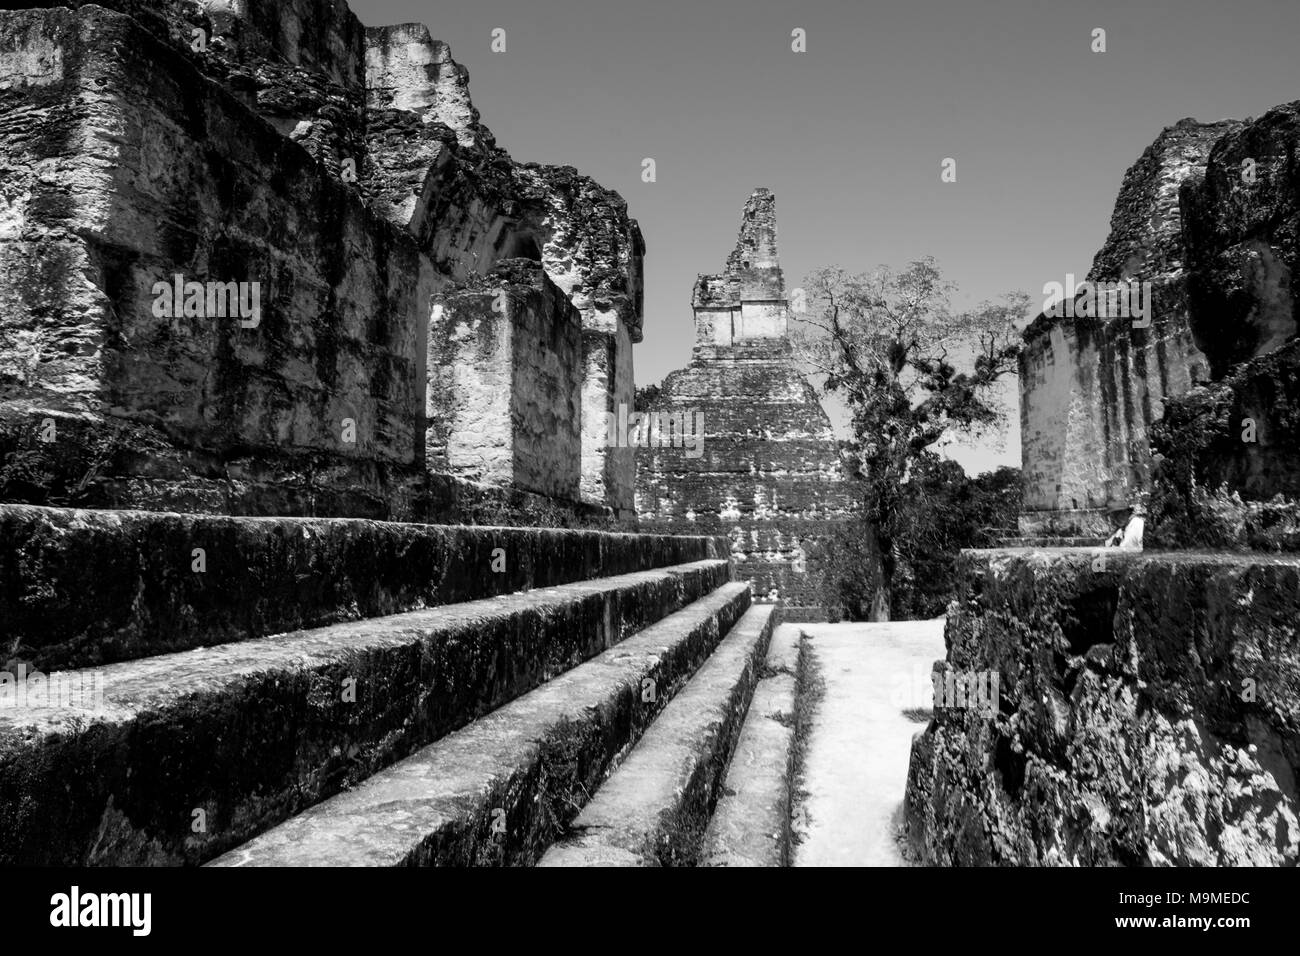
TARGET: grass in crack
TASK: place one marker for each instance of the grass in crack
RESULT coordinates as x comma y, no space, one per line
680,838
810,688
563,788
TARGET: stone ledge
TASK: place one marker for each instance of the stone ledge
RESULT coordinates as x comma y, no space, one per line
252,733
1149,713
500,790
751,824
654,807
80,587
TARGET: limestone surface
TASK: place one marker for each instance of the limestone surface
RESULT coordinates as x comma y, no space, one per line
116,782
873,677
1148,714
500,790
87,587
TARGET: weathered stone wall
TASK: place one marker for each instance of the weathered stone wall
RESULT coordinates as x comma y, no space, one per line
436,171
1149,701
747,302
592,253
1148,714
126,167
1089,395
1228,461
300,64
608,471
1229,450
1242,243
767,472
1090,388
241,117
768,477
505,383
409,71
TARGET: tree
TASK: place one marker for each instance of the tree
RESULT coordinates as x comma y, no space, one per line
644,397
888,343
943,512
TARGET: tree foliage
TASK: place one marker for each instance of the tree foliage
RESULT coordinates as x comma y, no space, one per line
911,372
645,396
942,512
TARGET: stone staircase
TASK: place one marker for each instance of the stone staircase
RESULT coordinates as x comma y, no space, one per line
294,691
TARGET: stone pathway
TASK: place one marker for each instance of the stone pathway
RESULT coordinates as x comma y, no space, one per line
855,766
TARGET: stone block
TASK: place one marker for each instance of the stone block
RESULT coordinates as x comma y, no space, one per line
505,382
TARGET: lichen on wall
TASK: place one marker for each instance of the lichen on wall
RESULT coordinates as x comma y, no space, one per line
131,185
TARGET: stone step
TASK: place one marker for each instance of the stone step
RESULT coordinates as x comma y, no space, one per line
653,809
499,790
190,754
80,587
751,823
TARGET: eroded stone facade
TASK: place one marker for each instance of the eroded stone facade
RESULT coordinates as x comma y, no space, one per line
505,358
342,169
1147,711
1139,722
1090,388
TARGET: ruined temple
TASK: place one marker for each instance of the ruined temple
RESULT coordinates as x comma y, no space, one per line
1149,705
1092,387
299,370
769,474
338,177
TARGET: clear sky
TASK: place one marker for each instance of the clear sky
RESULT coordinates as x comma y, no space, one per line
850,135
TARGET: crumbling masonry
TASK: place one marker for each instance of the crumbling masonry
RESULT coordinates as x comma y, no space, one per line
344,171
265,279
1149,701
770,475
